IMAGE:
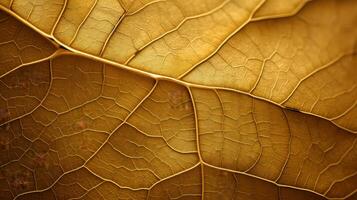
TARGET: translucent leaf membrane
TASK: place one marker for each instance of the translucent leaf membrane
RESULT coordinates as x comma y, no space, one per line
81,127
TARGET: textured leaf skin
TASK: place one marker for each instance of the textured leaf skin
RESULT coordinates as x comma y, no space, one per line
178,99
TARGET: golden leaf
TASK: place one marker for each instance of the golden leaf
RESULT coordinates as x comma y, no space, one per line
169,99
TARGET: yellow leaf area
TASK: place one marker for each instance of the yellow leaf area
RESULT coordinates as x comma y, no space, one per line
173,99
285,52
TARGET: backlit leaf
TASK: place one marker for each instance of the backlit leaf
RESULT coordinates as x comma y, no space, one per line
171,99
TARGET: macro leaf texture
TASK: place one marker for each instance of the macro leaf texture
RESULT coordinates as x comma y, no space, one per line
174,99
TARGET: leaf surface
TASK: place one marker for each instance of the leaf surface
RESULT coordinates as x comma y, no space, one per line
178,100
236,44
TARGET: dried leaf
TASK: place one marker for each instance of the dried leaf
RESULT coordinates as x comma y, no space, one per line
172,99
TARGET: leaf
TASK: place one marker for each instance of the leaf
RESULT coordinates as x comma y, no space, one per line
274,60
222,184
117,127
279,8
79,124
19,45
267,58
